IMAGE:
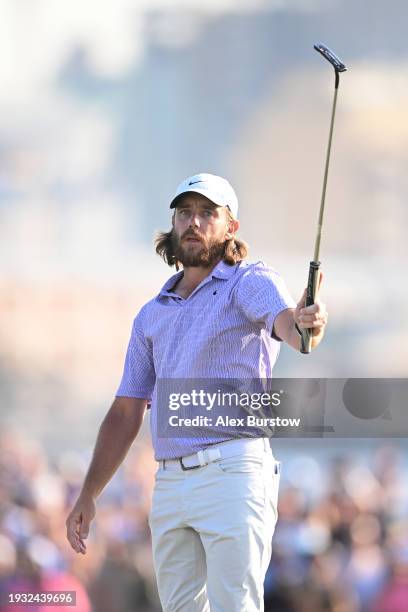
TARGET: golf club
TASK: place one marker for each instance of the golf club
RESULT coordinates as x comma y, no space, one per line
306,337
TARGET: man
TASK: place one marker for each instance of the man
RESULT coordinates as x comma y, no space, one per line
214,505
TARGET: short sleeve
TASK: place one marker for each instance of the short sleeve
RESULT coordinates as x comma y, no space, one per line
139,376
262,295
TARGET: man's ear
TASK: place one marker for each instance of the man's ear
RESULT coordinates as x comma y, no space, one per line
232,228
172,219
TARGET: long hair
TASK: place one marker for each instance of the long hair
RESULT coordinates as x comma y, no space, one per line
235,250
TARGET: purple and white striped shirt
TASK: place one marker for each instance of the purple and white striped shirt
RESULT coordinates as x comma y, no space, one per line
222,330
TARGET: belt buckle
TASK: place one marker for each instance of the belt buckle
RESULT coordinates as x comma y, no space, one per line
185,468
204,457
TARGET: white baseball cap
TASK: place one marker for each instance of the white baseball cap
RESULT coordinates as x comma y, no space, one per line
215,188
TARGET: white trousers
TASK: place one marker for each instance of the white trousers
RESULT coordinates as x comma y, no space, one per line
212,532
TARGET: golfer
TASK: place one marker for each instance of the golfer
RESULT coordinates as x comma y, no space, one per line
214,506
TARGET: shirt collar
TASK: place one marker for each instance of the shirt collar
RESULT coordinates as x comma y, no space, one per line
223,270
170,283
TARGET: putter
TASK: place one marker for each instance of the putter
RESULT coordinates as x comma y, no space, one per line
306,337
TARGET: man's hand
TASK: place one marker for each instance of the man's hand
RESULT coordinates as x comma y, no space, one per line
78,522
312,317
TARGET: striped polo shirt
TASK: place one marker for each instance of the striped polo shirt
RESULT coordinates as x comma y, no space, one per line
222,330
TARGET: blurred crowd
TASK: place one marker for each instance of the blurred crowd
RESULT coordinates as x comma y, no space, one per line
36,495
340,545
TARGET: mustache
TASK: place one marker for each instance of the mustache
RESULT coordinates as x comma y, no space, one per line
191,234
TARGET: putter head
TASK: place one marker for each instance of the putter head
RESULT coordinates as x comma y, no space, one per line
331,57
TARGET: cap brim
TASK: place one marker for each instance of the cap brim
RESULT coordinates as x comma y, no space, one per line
202,192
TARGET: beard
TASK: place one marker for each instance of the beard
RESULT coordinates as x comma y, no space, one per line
204,255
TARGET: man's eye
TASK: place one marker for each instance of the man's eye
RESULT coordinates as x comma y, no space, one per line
208,213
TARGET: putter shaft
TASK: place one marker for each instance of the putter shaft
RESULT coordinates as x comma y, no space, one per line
326,173
306,335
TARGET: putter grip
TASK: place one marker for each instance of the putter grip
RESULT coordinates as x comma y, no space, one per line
306,338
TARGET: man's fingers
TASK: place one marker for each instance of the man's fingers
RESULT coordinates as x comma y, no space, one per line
317,307
75,526
72,523
311,325
308,315
316,319
78,523
72,534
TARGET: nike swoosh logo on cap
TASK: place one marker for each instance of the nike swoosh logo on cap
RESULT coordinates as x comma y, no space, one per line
194,182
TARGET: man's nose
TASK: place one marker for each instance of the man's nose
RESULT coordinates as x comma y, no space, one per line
194,220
